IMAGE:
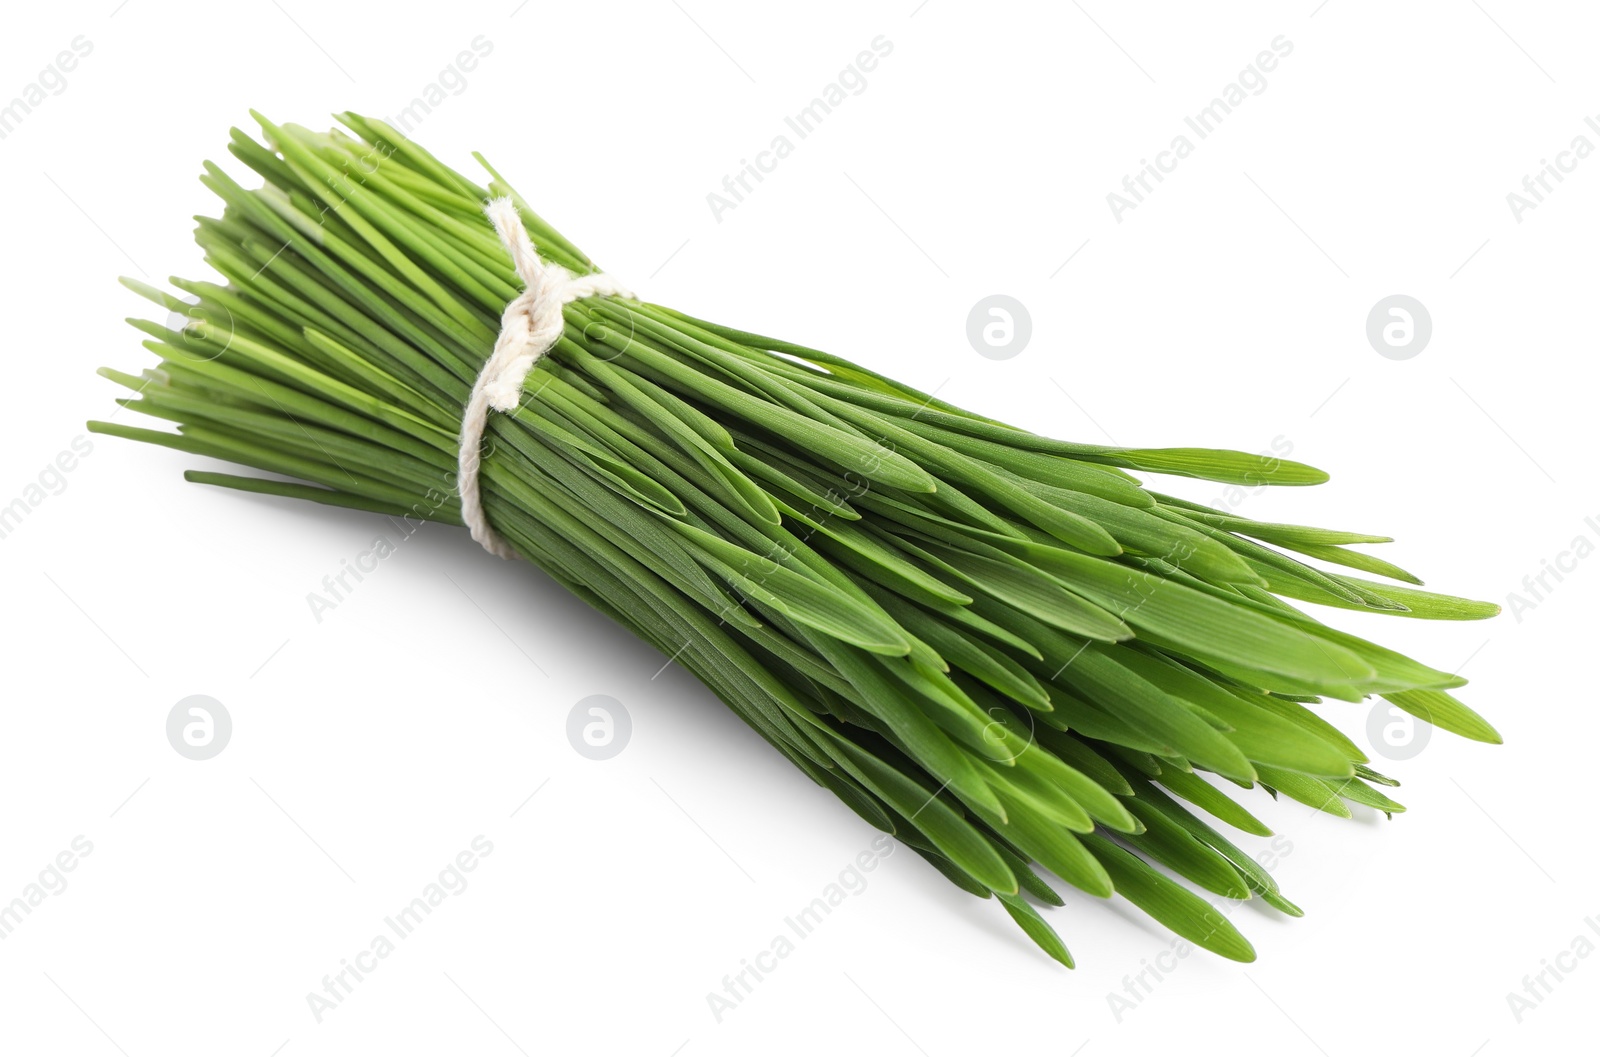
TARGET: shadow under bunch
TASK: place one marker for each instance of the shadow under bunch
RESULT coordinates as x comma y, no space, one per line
1001,648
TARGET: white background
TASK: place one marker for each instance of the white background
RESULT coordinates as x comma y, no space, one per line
1228,309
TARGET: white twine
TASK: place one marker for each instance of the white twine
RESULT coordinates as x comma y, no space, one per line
529,327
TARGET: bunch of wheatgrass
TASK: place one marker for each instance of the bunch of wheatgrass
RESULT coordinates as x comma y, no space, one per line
998,647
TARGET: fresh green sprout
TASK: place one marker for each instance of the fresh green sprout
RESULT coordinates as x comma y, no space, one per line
1001,648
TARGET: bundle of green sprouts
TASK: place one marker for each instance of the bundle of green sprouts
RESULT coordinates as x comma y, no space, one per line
1000,648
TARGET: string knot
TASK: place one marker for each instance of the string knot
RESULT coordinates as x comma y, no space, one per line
529,327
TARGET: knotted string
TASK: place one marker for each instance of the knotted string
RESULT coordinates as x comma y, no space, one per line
529,327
